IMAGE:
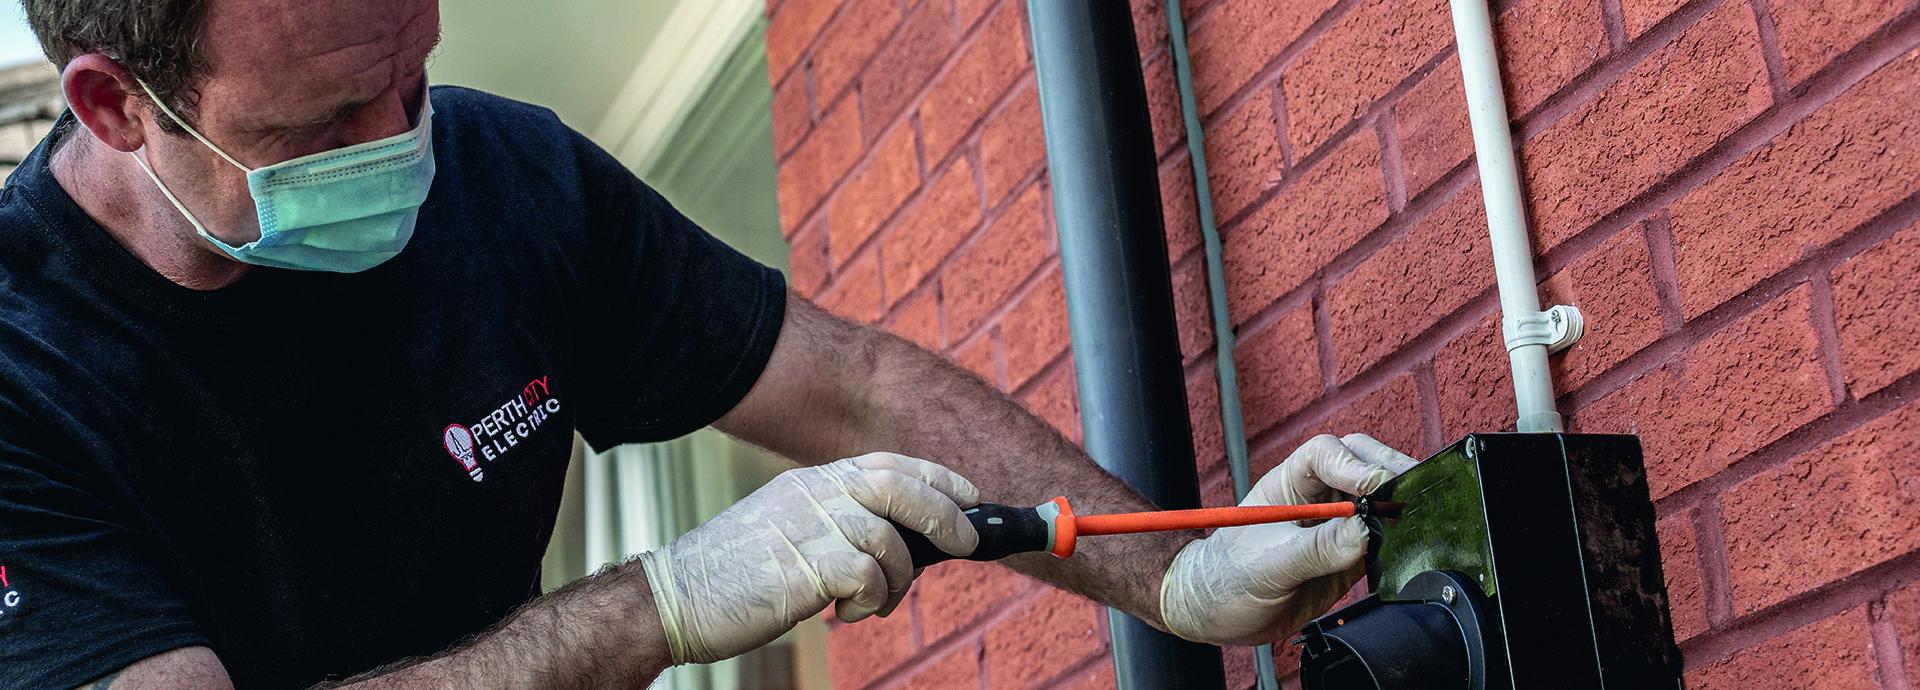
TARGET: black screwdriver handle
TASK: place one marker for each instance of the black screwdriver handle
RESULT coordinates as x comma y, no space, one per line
1004,531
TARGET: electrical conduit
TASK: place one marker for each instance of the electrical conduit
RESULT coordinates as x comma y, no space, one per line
1506,214
1231,423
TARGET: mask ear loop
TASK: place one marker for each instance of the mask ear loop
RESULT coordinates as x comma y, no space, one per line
190,130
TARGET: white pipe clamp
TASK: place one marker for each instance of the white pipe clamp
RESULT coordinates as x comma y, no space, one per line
1557,328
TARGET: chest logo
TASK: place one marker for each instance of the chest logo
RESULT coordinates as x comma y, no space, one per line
9,597
501,429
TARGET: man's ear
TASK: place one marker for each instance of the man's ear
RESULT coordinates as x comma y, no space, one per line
105,99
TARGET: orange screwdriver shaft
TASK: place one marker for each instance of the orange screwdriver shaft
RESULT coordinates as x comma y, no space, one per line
1204,518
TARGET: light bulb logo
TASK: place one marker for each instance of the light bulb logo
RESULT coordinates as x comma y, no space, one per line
459,443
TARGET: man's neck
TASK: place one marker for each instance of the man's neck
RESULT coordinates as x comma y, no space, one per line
113,191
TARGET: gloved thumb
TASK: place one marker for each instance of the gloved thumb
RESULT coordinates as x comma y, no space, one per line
1330,547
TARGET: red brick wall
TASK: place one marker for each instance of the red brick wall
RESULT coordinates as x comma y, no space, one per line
1725,187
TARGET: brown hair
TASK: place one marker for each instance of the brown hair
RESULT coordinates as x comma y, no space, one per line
157,40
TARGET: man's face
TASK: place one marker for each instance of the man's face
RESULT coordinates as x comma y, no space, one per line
289,78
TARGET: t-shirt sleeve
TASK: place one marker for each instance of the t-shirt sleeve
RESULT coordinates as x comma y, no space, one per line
681,325
79,598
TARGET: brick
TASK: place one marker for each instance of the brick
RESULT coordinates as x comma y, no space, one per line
982,357
1727,396
1613,287
1837,510
985,273
1650,122
1163,105
970,11
1217,493
1055,400
1360,58
791,29
951,598
1432,123
792,114
1841,166
861,653
1203,418
1192,309
1390,414
855,292
1475,381
807,260
872,194
1178,211
1239,666
1408,286
1243,156
1812,34
944,216
1904,608
1680,564
1047,635
819,162
1035,329
1831,654
848,42
1641,15
988,65
1235,41
905,65
1555,41
917,319
1874,300
1279,370
1149,26
1298,232
1011,146
958,668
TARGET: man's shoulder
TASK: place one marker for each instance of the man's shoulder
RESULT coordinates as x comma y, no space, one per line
471,110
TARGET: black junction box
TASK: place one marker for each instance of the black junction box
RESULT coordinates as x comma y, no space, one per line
1517,561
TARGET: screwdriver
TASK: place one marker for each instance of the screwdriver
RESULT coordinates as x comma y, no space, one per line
1052,527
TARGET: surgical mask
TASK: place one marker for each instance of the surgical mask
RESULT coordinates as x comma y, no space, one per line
344,210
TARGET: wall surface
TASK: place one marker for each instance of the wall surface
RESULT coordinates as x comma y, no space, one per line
1726,188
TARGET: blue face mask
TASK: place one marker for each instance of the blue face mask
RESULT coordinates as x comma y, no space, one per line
344,210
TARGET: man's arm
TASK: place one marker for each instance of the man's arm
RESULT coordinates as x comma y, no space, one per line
834,389
600,631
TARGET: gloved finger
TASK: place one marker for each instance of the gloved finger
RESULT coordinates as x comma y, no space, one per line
1329,548
1294,481
1373,451
943,480
854,581
1335,466
877,538
914,504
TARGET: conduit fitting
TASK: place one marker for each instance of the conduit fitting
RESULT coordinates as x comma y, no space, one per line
1557,328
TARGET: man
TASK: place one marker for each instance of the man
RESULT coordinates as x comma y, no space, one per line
291,347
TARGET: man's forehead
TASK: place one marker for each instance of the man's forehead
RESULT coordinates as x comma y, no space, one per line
299,52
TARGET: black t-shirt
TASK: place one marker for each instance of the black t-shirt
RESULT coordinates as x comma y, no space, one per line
274,469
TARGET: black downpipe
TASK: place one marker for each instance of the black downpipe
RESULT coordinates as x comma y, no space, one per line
1113,258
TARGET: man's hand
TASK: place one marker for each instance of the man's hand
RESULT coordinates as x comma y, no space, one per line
1253,584
812,536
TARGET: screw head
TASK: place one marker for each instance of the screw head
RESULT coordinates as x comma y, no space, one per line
1447,595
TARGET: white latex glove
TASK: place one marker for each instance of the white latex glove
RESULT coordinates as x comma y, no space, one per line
1254,584
810,537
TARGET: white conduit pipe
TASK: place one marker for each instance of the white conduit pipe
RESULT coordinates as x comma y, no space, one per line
1529,332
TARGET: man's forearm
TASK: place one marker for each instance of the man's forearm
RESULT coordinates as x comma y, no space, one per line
600,631
890,395
927,407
